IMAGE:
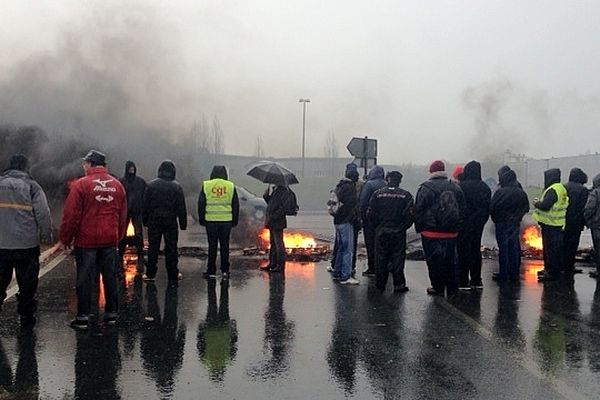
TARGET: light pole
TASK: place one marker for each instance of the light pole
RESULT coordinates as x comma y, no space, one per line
303,101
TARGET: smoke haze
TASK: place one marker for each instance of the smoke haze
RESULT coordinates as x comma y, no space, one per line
439,81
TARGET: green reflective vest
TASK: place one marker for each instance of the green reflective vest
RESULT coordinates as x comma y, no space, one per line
556,216
219,195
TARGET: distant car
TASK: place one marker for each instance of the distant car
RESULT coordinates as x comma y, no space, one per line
252,217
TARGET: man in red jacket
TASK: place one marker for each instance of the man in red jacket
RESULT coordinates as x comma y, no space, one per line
94,220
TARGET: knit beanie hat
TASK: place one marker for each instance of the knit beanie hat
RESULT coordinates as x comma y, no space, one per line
437,166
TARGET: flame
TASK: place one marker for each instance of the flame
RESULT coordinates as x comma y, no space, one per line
130,229
532,237
291,240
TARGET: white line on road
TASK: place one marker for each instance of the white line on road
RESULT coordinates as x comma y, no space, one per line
44,270
525,361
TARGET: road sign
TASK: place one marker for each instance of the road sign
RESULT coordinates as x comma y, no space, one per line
365,162
363,147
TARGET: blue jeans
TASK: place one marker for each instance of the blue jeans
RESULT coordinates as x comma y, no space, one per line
91,263
344,243
509,251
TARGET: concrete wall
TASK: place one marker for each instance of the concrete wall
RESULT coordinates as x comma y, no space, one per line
531,172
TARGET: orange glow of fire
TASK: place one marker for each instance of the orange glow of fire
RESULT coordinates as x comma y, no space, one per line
291,240
130,229
532,237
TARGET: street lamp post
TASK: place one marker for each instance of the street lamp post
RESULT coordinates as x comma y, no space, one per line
303,101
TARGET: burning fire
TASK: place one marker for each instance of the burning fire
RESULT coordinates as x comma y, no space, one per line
130,229
292,240
532,237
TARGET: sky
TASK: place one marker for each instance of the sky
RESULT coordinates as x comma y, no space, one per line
454,80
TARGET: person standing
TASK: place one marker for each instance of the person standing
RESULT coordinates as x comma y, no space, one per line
134,188
591,213
550,212
575,222
439,208
276,222
375,181
24,223
508,207
218,211
94,221
164,206
343,220
477,209
391,210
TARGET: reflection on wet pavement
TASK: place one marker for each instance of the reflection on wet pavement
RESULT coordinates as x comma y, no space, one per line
300,335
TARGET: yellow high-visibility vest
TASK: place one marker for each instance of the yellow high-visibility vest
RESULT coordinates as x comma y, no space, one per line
557,215
219,195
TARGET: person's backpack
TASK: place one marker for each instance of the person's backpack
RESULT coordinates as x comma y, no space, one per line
445,210
291,204
333,204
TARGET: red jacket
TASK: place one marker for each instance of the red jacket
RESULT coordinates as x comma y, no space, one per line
95,213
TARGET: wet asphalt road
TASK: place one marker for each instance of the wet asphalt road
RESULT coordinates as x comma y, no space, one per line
301,336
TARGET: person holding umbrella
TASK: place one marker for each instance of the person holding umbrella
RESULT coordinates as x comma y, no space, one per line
281,201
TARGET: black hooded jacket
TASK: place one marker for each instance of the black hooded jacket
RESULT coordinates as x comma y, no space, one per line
578,195
346,192
135,188
551,176
477,197
509,203
164,202
218,172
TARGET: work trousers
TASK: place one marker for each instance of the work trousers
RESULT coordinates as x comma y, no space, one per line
92,262
25,263
218,236
138,238
170,233
390,256
440,256
509,251
468,247
552,240
276,250
369,235
572,235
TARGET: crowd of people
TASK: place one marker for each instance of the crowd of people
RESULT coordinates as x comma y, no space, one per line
449,212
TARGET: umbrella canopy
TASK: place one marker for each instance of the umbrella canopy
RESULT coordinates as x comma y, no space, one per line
273,173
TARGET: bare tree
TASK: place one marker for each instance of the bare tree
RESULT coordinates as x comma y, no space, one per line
218,138
259,151
200,135
331,150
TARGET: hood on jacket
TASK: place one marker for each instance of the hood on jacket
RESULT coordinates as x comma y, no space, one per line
596,181
128,165
578,176
503,169
508,178
551,176
167,170
472,171
18,162
219,172
376,172
457,173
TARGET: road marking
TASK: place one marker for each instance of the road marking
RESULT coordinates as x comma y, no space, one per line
524,360
45,269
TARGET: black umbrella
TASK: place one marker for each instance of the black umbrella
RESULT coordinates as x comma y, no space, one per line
273,173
